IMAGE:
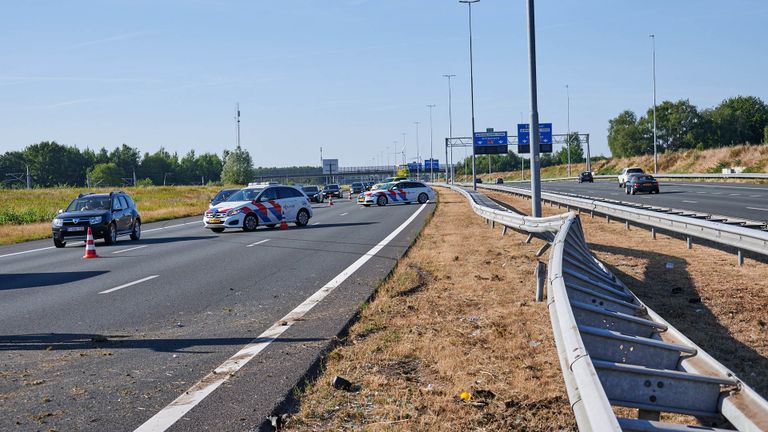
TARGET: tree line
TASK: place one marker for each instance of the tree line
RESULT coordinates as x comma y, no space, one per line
53,164
681,125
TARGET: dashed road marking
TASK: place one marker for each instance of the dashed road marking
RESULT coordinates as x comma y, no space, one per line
129,284
258,243
129,249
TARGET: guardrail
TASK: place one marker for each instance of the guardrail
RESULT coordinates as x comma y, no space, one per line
738,237
709,176
615,351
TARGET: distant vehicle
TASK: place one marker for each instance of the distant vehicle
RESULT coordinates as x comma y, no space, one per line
478,180
313,193
393,179
357,187
626,172
332,190
587,177
251,206
499,180
221,196
397,192
368,185
108,215
641,183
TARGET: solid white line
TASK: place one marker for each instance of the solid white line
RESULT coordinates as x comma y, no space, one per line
129,249
758,208
691,202
316,223
129,284
258,243
27,251
189,399
344,214
734,194
755,196
172,226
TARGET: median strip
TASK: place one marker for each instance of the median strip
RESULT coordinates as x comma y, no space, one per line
129,284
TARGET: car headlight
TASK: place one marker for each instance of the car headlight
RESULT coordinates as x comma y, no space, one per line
233,212
58,222
94,220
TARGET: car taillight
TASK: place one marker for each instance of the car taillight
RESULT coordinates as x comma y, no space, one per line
637,184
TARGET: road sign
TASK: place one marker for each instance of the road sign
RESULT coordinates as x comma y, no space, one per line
330,166
433,164
414,167
490,142
524,138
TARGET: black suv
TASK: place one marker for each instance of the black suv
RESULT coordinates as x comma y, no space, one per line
332,190
109,216
586,177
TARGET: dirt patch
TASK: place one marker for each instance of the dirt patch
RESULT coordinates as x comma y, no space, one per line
456,318
702,292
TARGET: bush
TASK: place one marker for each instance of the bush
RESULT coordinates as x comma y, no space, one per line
144,182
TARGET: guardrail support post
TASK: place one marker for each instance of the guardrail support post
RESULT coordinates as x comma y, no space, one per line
504,231
591,214
607,218
626,223
543,249
740,258
493,224
530,237
653,233
541,274
689,242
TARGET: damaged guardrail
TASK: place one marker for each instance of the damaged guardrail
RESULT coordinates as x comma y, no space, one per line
614,351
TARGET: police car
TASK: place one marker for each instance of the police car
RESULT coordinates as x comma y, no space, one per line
397,192
259,205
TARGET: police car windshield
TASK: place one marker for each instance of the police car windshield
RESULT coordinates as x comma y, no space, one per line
248,194
380,186
90,203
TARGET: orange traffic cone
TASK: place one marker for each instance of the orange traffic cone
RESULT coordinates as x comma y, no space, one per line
90,248
283,223
330,200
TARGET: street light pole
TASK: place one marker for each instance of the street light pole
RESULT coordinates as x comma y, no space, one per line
431,156
450,121
418,156
568,136
404,161
534,126
472,90
655,156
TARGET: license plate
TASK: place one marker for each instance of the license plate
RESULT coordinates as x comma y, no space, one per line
647,184
214,221
76,228
361,199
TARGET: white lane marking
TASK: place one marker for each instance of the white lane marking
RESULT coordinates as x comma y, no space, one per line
172,226
725,187
316,223
758,208
129,284
734,194
700,192
690,202
344,214
755,196
27,251
258,243
169,415
129,249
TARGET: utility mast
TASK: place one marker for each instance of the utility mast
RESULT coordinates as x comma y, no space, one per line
237,120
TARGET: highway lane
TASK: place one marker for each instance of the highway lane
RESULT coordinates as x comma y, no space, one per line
748,201
188,299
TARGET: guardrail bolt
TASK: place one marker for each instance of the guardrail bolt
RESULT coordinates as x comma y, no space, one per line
690,242
740,257
653,233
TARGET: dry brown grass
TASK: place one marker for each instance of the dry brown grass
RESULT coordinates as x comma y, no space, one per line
455,316
718,305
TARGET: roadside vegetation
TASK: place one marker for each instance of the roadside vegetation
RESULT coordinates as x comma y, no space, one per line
26,214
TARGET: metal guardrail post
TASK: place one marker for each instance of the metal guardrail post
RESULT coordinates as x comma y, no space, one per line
541,274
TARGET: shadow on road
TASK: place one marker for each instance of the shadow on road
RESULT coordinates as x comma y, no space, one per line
84,341
161,240
673,295
9,281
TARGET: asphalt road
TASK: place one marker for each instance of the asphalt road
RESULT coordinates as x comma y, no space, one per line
106,344
748,201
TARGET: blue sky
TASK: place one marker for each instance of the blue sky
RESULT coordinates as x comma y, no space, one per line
353,75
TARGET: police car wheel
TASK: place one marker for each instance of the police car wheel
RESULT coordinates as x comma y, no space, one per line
217,230
250,223
381,200
423,198
302,217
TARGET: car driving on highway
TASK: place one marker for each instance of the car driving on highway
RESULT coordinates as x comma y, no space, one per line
313,193
586,177
253,206
626,172
108,215
332,190
357,187
641,183
397,192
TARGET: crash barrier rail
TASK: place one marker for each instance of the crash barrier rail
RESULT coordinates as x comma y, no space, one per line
708,176
739,237
615,351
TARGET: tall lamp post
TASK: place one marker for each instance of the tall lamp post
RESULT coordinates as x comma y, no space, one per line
418,156
404,161
471,89
431,156
653,50
568,136
450,122
534,126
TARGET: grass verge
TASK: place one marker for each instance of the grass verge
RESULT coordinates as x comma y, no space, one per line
456,316
26,214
